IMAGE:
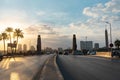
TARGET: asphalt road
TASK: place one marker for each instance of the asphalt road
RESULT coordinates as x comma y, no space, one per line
21,68
88,68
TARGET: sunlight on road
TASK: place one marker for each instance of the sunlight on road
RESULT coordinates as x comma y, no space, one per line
6,63
20,68
14,76
103,54
12,59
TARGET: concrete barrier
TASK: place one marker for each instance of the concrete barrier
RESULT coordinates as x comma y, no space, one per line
103,54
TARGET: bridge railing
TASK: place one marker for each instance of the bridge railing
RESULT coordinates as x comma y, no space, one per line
103,54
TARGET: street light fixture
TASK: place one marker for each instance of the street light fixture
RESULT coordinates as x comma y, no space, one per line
110,32
111,44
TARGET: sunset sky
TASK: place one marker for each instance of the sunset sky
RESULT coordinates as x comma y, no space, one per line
57,20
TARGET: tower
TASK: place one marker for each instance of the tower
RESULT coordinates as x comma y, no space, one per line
74,43
106,38
39,44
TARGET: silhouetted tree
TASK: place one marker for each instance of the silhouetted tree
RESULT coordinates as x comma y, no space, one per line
18,34
9,30
0,37
4,38
117,43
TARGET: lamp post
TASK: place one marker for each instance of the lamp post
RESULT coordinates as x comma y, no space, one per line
111,44
110,32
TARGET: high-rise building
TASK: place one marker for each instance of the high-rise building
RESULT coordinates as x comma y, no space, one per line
86,45
96,45
39,44
106,38
19,47
24,48
74,43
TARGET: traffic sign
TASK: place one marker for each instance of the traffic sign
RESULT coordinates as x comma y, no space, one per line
111,44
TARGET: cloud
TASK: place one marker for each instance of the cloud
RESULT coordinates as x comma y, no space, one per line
109,11
58,41
40,29
51,36
98,15
87,11
52,17
51,14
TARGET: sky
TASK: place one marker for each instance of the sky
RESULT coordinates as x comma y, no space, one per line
57,20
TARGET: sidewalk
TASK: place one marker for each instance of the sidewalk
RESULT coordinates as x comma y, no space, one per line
50,70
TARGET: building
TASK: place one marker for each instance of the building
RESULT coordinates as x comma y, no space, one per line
106,39
74,43
48,50
19,47
39,44
86,45
96,46
32,49
24,48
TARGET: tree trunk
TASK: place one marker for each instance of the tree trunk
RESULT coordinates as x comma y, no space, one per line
4,46
16,44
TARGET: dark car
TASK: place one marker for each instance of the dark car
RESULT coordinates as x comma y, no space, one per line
1,56
60,53
77,52
115,53
66,53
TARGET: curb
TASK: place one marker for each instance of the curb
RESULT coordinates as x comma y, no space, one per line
50,67
58,70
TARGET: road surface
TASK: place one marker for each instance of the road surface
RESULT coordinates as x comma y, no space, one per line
21,68
88,68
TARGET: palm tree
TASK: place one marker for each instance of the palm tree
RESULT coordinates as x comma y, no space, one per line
4,37
18,34
9,30
117,43
0,37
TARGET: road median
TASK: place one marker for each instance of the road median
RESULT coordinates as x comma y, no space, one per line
50,70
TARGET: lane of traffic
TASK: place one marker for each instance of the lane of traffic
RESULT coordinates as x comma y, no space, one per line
86,67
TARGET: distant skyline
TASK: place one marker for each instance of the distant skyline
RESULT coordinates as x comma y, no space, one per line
57,20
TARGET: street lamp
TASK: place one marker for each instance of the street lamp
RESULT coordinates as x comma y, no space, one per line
110,32
111,44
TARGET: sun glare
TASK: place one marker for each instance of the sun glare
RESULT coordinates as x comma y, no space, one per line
14,76
13,25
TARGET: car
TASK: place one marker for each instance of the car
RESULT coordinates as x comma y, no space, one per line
77,52
91,52
115,53
60,53
1,56
66,53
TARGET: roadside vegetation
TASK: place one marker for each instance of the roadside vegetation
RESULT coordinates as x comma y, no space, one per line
13,36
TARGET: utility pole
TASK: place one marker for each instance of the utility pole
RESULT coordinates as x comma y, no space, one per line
111,44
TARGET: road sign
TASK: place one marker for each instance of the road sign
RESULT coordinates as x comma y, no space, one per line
111,44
